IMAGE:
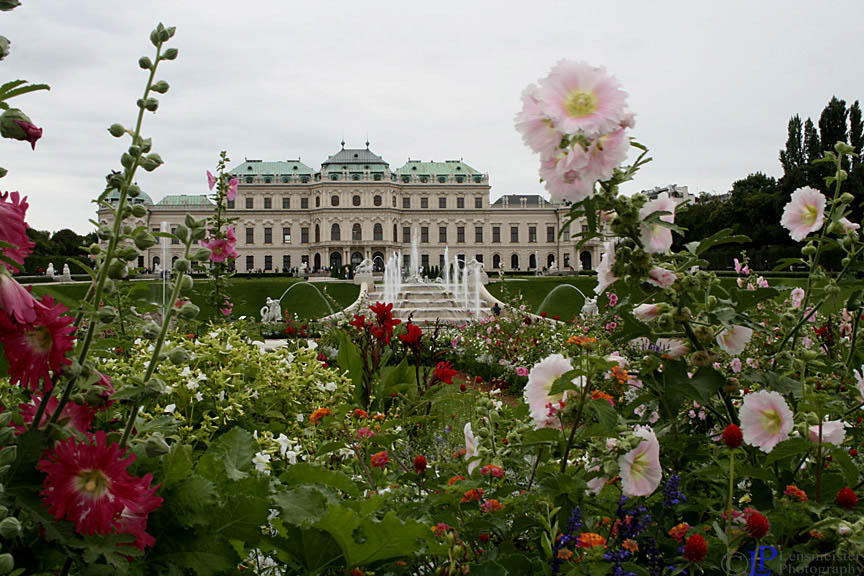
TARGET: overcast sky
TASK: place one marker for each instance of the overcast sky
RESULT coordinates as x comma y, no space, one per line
712,83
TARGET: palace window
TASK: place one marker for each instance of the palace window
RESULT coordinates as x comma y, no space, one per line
286,235
286,262
250,262
268,262
442,179
356,233
335,232
406,202
496,234
376,200
174,231
355,200
424,262
460,202
424,234
478,234
532,234
514,234
334,200
460,234
230,204
268,203
442,235
250,235
550,234
304,235
478,202
406,235
304,203
442,202
248,202
424,202
286,203
317,202
268,235
378,232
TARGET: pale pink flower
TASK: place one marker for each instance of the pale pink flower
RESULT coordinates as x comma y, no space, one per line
797,295
661,277
607,153
740,268
833,432
542,405
646,312
640,468
656,238
211,180
735,365
536,129
734,339
564,183
672,348
596,484
762,282
860,380
805,213
231,191
605,276
472,448
766,419
578,97
848,226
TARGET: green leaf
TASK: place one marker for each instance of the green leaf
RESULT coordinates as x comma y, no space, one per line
242,517
302,506
606,415
850,471
303,473
724,236
541,436
565,382
23,90
229,457
349,359
207,555
707,381
176,465
788,448
365,541
397,379
192,501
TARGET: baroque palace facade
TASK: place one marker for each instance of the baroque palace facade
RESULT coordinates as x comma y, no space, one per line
290,216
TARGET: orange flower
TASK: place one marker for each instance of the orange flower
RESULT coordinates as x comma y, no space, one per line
380,459
590,540
454,479
495,471
795,493
379,416
458,454
581,340
565,554
630,545
600,395
816,534
318,414
620,374
473,495
679,531
492,505
358,413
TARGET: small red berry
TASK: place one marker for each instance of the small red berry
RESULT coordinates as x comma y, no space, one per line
732,436
846,498
695,549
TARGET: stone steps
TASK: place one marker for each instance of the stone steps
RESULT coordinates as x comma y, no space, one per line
429,305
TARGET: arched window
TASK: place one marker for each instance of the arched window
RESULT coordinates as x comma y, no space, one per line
585,260
395,232
550,260
317,233
356,259
317,261
532,262
317,201
156,261
335,261
355,200
514,262
378,232
335,232
356,233
334,200
496,262
376,200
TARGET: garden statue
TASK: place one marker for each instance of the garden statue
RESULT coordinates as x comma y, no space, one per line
50,271
271,311
67,275
365,267
589,309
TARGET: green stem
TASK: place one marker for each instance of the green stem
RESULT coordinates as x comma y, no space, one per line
852,342
819,465
731,481
66,567
43,404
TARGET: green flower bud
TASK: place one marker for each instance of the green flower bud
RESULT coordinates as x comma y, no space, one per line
7,563
6,5
788,319
812,419
156,446
170,54
845,261
107,314
10,528
95,249
809,249
109,287
181,265
197,234
150,331
187,282
4,47
712,300
155,38
189,311
127,253
151,162
178,356
151,104
201,255
4,511
133,191
3,172
9,127
117,269
105,233
161,87
145,63
134,150
846,198
139,211
843,148
144,240
701,358
117,130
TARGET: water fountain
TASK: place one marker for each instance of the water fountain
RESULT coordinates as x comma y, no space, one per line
414,261
392,278
446,270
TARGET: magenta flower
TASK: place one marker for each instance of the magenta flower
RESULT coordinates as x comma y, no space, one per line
13,229
33,133
211,180
640,468
231,192
740,268
766,419
17,302
805,213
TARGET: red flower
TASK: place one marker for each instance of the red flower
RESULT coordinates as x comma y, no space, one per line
483,537
473,495
37,349
732,436
380,459
495,471
358,413
88,484
290,330
454,479
412,337
384,316
846,499
73,417
444,372
13,229
318,414
695,549
420,464
356,572
757,524
492,505
359,322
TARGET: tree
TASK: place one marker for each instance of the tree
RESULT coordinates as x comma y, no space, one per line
856,131
793,156
67,243
832,123
812,145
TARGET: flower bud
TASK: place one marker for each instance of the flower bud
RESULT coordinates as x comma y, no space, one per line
10,528
116,269
9,127
3,172
127,253
809,249
144,240
151,104
4,511
95,249
846,198
178,356
156,446
155,38
701,358
117,130
197,234
7,563
170,54
812,419
161,87
4,47
712,300
181,265
145,63
201,255
139,210
732,386
109,286
107,314
133,191
150,331
843,148
187,282
151,162
105,233
189,311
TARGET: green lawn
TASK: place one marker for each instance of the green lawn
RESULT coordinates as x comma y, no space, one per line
248,295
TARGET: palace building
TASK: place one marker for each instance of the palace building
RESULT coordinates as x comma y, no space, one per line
355,206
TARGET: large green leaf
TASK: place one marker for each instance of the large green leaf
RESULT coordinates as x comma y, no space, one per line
207,555
176,465
242,517
796,447
229,457
349,359
303,473
707,381
301,506
365,541
192,501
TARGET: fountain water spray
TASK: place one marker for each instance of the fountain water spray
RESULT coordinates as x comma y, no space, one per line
446,270
414,262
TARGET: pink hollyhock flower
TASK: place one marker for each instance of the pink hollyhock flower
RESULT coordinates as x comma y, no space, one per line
805,213
613,299
606,154
646,312
833,432
537,130
859,378
472,448
605,275
89,485
33,133
573,184
766,419
797,295
73,417
740,268
656,238
221,249
661,277
536,393
596,484
640,468
211,180
761,282
231,191
578,97
734,339
16,301
37,349
672,348
521,371
735,365
226,311
13,229
848,226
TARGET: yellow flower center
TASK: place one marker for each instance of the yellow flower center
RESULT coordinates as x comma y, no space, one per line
771,421
40,339
809,215
93,482
580,104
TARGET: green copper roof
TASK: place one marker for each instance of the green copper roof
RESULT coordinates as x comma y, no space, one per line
436,168
355,156
179,200
142,198
254,167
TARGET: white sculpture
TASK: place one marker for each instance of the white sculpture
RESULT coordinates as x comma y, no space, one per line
589,309
50,271
365,267
271,311
553,266
66,271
